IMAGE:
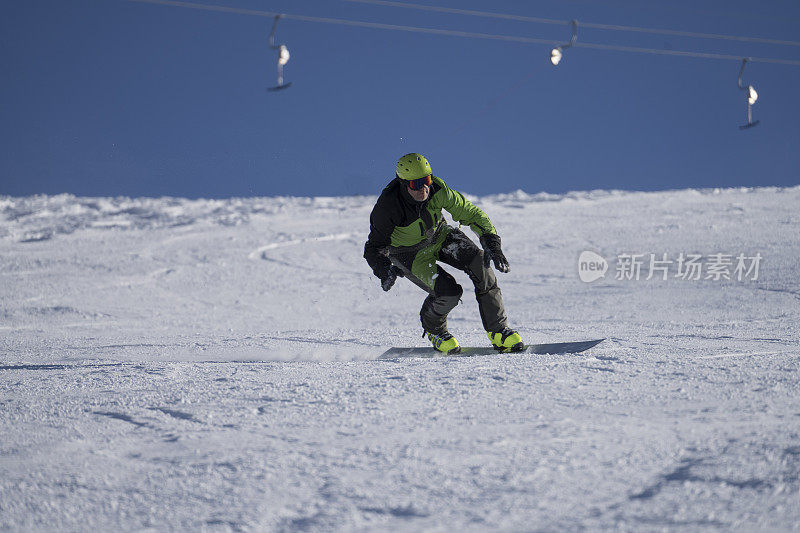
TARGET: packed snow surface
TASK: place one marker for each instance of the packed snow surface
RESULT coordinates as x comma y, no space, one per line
212,365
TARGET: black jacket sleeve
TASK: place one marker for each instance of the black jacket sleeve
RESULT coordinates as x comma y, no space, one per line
381,227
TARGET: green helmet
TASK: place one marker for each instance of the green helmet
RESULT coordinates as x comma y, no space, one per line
413,166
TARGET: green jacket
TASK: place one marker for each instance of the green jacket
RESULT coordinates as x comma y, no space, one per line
399,221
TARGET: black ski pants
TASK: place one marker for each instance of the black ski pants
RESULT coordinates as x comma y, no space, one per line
460,252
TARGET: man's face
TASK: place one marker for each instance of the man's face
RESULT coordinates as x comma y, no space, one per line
421,194
420,188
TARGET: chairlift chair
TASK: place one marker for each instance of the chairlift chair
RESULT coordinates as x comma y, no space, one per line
283,57
752,96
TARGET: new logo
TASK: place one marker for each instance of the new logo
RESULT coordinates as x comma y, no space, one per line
591,266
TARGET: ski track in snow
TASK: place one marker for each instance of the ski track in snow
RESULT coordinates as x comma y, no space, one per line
161,367
259,253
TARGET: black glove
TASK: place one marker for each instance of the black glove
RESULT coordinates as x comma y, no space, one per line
492,252
388,279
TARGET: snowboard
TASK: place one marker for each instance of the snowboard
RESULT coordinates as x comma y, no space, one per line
471,351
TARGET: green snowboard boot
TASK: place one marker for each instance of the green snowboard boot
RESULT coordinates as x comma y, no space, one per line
444,342
506,340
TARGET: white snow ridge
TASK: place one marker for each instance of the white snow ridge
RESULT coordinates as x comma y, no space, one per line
169,364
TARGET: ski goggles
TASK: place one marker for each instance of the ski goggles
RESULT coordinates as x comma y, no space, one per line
418,183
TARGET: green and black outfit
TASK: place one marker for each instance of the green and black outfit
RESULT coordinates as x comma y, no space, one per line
415,234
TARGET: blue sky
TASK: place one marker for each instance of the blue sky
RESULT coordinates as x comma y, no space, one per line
110,97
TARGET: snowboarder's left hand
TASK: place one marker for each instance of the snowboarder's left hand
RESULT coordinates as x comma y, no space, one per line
492,252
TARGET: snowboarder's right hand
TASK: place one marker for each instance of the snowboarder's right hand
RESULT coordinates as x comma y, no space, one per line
388,279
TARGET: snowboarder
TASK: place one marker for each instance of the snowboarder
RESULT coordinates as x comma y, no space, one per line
408,235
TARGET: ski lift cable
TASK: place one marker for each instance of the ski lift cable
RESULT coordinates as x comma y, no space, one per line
539,20
680,53
457,33
346,22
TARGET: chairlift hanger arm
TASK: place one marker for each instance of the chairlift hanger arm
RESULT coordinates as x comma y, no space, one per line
574,38
272,33
741,71
557,52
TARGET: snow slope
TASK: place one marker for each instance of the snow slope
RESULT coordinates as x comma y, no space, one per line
211,365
